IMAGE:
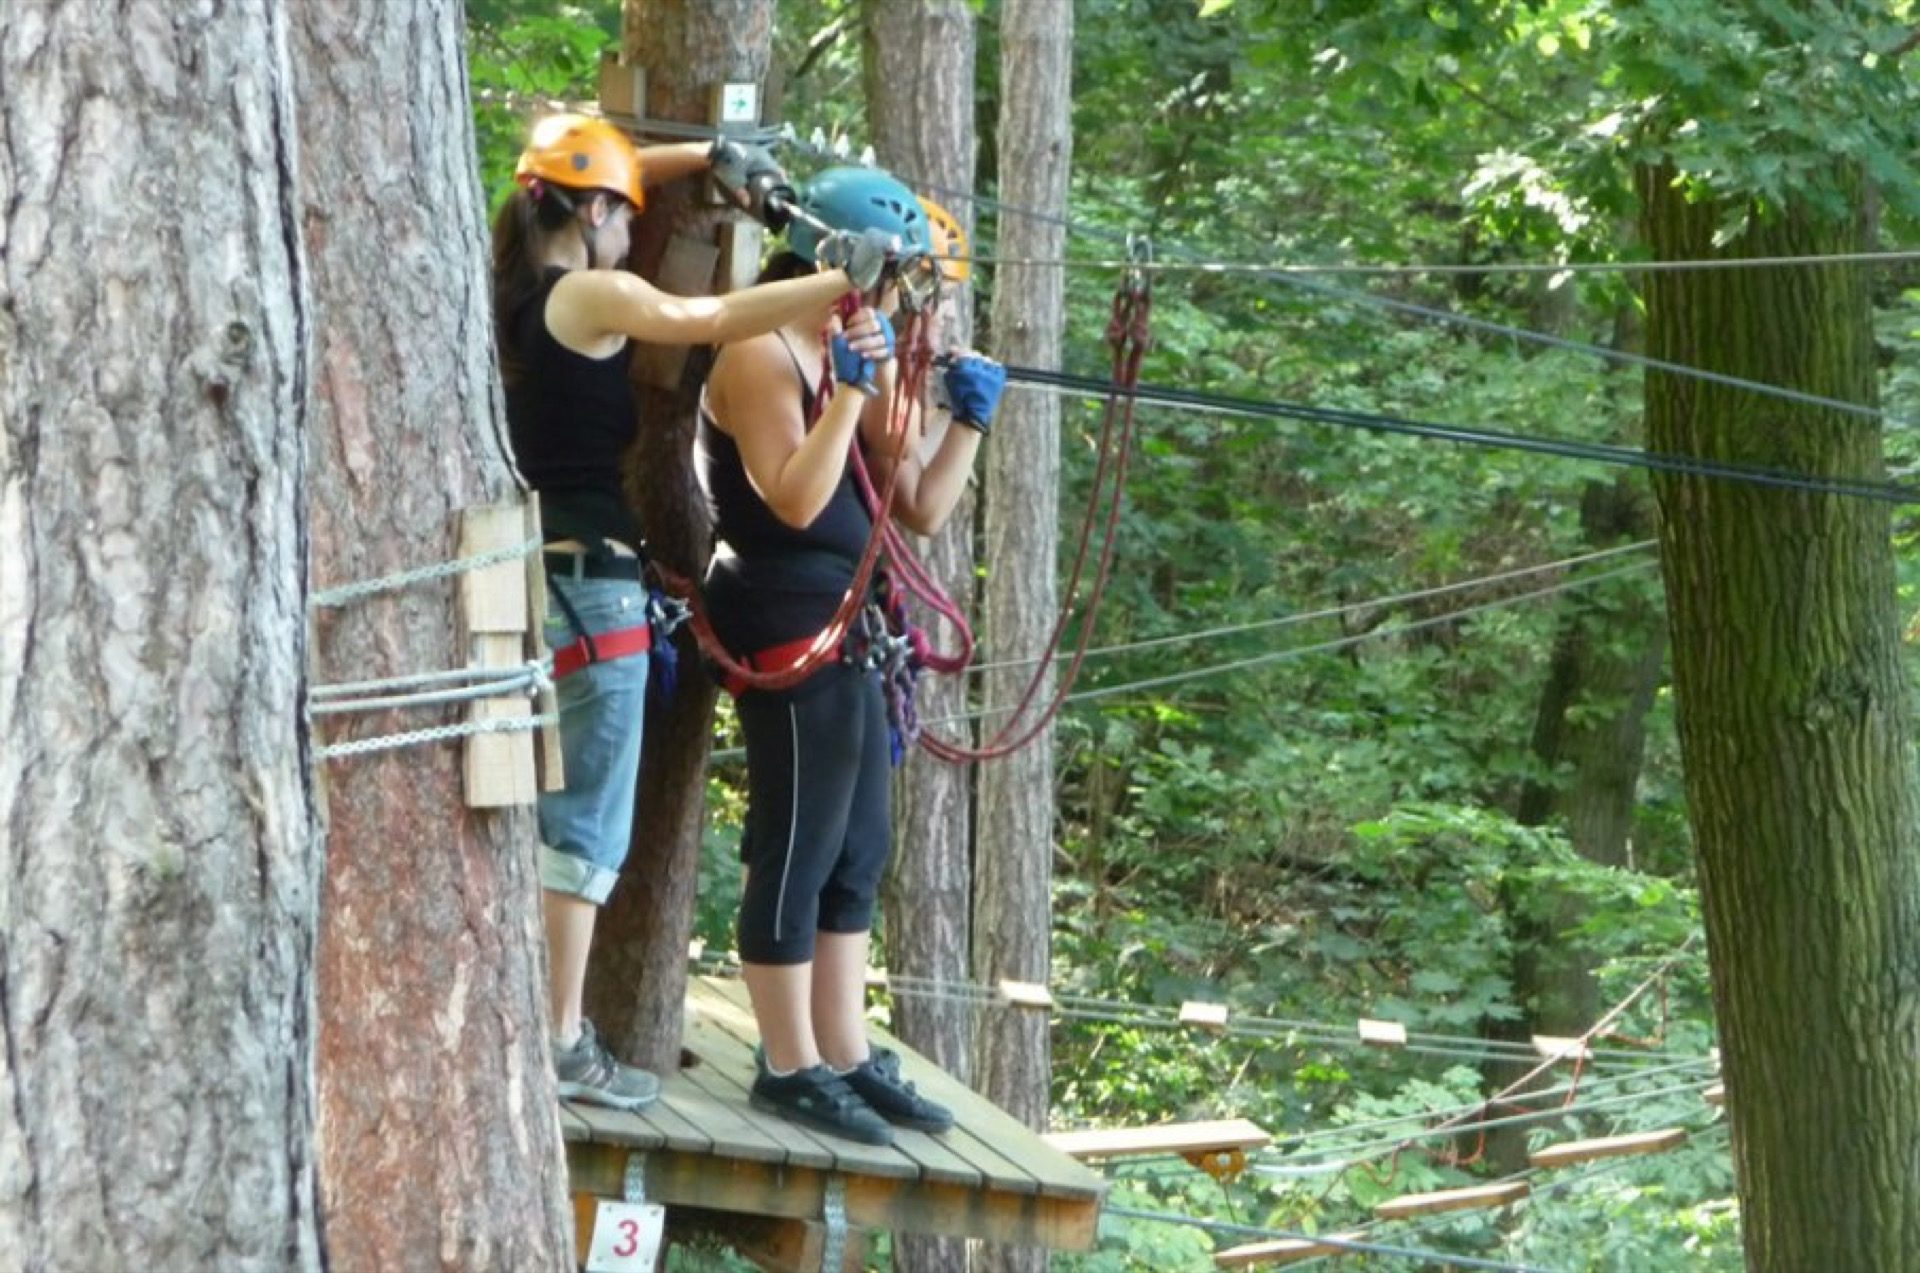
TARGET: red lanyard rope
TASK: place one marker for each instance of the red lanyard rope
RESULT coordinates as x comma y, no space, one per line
826,646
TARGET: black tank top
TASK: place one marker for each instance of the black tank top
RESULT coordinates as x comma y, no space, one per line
571,419
769,583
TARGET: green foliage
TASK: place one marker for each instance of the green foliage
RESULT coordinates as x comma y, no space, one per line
521,56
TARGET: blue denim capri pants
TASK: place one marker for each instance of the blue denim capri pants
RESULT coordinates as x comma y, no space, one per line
586,827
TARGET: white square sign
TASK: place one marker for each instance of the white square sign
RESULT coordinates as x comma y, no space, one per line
740,103
626,1237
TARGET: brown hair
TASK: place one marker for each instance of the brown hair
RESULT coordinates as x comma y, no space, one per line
523,221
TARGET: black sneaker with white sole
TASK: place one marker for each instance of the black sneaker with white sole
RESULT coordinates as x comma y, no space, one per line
588,1072
819,1099
877,1081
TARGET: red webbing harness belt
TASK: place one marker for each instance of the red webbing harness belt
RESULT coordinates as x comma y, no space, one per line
618,644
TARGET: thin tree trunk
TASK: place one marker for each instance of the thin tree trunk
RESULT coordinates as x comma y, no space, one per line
919,70
158,856
637,980
1796,731
439,1139
1012,893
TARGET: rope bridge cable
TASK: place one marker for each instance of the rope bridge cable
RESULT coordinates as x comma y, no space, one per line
1629,457
1707,1138
1335,612
450,676
725,755
1485,326
1324,647
1888,257
1355,1246
1161,1016
344,593
529,678
1272,1161
435,734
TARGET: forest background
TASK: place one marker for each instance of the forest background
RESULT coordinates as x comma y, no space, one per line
1459,810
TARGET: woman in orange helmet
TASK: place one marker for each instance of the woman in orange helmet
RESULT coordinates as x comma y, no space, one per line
565,316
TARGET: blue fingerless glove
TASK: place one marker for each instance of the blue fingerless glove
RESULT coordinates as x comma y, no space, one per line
974,385
850,368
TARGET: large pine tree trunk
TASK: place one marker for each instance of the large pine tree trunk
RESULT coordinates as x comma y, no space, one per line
158,856
1797,735
919,70
637,980
439,1139
1014,868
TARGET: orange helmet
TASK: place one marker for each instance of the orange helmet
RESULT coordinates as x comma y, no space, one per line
949,243
579,152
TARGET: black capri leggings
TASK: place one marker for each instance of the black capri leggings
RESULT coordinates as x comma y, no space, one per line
818,812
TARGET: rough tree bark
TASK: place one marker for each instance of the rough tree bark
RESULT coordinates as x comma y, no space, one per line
919,57
1796,731
637,981
438,1135
158,855
1012,923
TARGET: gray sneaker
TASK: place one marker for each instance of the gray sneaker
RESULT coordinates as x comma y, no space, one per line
588,1072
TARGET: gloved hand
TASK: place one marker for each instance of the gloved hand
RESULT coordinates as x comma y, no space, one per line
974,385
862,255
853,367
752,178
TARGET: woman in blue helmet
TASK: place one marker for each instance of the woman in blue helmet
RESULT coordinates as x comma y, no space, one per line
790,527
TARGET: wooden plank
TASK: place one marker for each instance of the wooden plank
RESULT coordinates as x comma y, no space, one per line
1165,1138
618,1127
551,764
1556,1048
1578,1151
1382,1034
742,242
572,1126
1207,1016
791,1246
1025,994
873,1202
1715,1095
498,768
623,86
715,1030
1008,1155
1284,1251
1420,1204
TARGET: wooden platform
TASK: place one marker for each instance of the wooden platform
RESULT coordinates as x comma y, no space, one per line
703,1146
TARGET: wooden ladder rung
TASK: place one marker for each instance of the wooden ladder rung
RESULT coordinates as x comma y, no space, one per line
1421,1204
1168,1138
1025,994
1207,1016
1284,1250
1382,1034
1715,1095
1576,1151
1555,1048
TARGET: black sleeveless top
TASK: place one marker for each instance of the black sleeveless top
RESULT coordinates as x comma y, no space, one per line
768,583
571,419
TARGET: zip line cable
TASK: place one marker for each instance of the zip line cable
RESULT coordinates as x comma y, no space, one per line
1887,257
1496,439
1334,612
1323,647
1350,1246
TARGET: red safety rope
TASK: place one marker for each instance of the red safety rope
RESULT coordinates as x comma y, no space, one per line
1130,336
826,646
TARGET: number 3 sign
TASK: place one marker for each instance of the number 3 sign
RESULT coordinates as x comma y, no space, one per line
626,1237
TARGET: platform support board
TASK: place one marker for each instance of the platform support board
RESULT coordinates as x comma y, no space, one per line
1284,1251
1555,1048
552,765
1579,1151
1469,1199
1715,1095
493,612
